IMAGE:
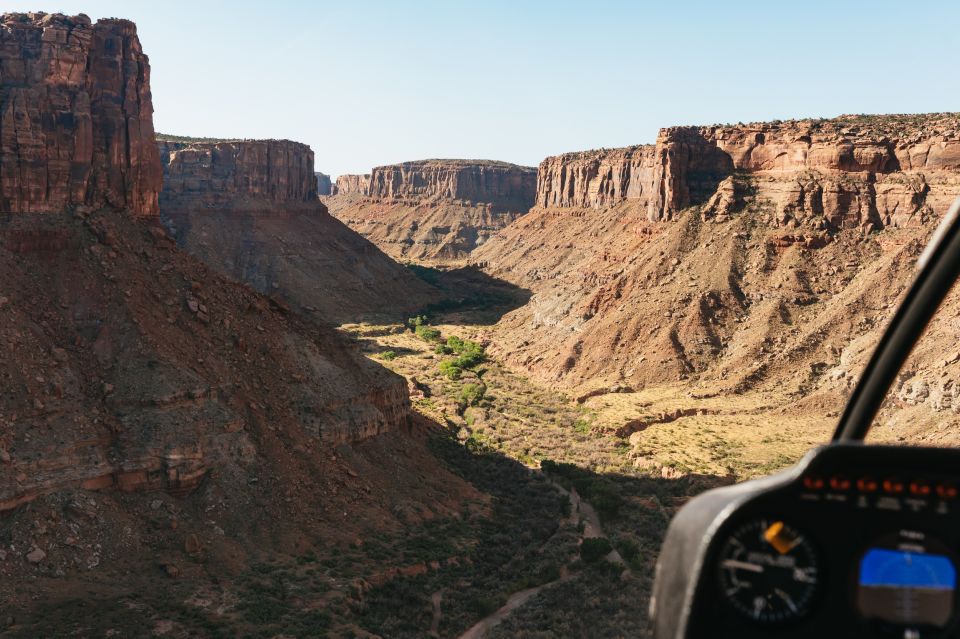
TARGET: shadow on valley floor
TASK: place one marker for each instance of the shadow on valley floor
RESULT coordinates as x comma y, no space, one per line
436,575
532,539
470,296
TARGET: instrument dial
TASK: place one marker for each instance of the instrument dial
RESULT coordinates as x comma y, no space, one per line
768,571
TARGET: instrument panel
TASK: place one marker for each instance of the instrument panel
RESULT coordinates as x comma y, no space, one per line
855,541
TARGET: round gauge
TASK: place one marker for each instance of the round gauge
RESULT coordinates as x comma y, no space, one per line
768,571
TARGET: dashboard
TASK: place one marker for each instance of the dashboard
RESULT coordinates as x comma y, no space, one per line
854,541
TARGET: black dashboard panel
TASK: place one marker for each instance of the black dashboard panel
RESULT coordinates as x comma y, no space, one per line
855,541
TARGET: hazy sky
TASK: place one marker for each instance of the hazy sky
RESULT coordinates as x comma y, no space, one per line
368,83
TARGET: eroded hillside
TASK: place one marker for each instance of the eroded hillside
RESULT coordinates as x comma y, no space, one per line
434,211
731,258
249,209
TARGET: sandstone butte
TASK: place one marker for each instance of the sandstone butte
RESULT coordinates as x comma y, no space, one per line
434,210
76,126
249,209
727,258
138,368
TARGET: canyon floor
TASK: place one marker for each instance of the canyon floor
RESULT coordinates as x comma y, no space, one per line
524,510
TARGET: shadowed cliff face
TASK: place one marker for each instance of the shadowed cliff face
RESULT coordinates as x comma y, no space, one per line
434,210
76,121
324,185
848,172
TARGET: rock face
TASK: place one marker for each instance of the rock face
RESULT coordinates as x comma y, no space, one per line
136,368
434,210
725,257
503,185
225,174
853,171
352,185
249,209
76,117
324,185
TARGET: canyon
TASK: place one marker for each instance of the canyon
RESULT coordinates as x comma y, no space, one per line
727,257
435,211
159,420
231,411
249,209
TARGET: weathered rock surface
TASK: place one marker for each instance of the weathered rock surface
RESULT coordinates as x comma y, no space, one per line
233,173
135,367
76,117
854,171
249,209
324,185
504,185
352,184
434,210
724,257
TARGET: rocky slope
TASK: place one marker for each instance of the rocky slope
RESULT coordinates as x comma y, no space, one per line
731,257
249,209
76,124
159,420
434,210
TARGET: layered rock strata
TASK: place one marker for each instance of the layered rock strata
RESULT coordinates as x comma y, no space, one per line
228,174
501,184
76,117
135,367
852,171
352,185
249,209
434,210
765,255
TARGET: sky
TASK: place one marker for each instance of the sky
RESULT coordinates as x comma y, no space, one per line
373,82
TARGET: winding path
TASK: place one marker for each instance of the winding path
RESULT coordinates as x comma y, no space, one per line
580,510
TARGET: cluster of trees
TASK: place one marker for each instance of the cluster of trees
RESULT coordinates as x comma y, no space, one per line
469,356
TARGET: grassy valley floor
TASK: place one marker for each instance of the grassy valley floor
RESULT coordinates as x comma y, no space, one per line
635,456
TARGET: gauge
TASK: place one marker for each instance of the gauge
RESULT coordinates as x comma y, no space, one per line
768,571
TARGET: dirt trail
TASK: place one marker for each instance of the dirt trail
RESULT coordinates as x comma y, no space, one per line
581,511
435,600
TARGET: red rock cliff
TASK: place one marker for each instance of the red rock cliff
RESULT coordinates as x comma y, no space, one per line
76,123
224,173
498,183
352,184
851,171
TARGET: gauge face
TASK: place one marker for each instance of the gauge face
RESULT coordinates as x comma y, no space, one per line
768,571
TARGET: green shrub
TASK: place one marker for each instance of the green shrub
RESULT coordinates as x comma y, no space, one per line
450,369
471,394
389,355
414,322
594,549
426,333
